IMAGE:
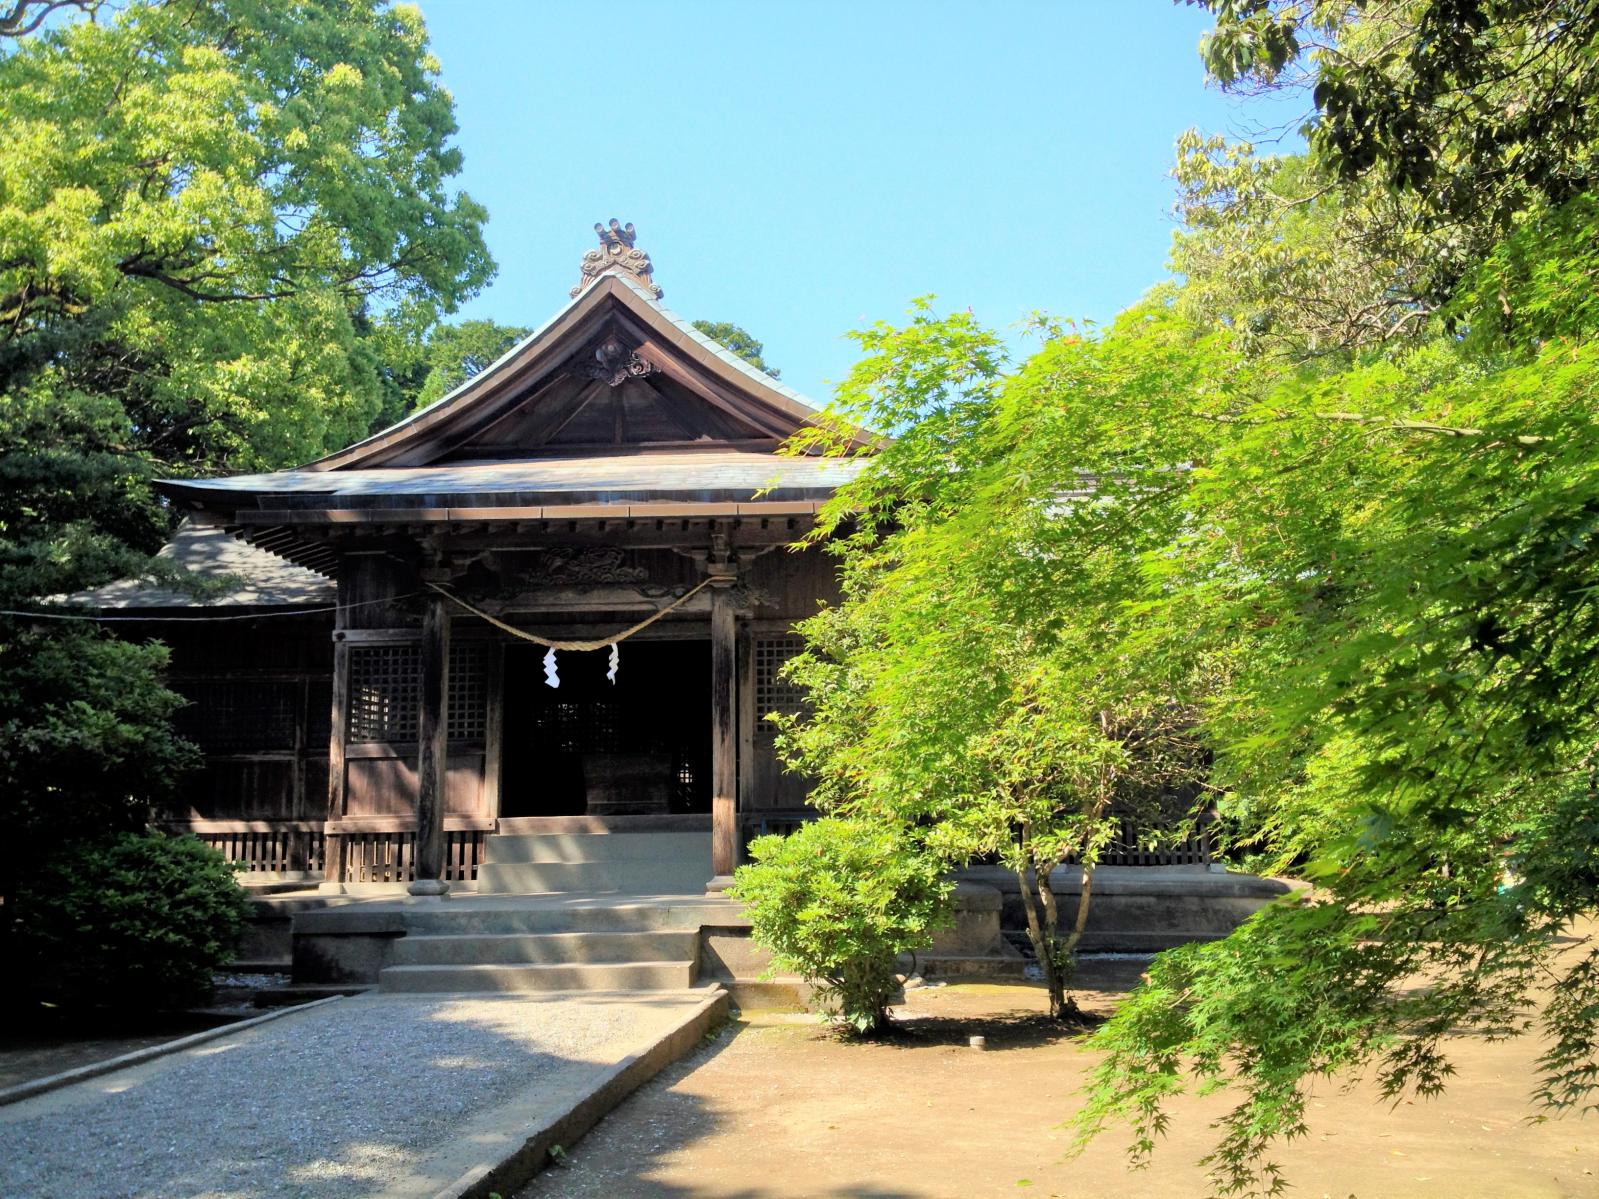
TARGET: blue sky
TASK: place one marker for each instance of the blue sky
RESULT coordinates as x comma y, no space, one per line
803,169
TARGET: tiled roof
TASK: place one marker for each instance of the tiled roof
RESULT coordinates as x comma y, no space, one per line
262,579
688,474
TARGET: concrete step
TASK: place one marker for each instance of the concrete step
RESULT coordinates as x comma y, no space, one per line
547,949
600,847
612,976
475,917
657,876
675,823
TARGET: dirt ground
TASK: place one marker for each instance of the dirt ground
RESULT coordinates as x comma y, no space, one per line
776,1108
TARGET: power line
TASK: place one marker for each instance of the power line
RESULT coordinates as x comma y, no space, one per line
201,619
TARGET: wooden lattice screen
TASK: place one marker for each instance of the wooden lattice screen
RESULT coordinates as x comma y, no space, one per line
241,716
772,692
469,691
386,692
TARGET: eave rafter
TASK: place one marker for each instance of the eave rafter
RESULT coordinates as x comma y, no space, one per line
318,545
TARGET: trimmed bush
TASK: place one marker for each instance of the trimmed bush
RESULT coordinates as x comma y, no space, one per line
837,902
136,920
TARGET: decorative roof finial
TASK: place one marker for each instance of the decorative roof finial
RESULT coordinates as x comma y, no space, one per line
617,255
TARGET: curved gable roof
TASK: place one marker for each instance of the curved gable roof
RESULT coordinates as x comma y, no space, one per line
747,398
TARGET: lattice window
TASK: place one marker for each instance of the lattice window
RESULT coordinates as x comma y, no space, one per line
772,692
469,690
385,692
684,783
240,715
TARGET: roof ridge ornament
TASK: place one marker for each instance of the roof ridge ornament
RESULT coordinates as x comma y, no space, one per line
617,255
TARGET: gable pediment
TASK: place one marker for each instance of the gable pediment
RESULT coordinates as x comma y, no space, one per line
613,371
610,394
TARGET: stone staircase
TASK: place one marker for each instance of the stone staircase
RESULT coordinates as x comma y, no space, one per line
636,863
566,911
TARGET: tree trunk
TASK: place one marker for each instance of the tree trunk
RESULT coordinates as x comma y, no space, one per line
1081,923
1061,1005
1041,932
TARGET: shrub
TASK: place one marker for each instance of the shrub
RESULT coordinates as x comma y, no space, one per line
139,920
837,902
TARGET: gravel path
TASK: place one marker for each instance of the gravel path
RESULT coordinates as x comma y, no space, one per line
336,1103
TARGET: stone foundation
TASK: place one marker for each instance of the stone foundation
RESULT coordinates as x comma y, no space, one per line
1142,909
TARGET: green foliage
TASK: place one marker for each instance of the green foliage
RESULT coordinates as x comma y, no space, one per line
416,371
1348,595
970,688
200,205
836,902
740,342
1480,108
1396,561
1299,265
457,352
1437,127
135,921
217,187
73,767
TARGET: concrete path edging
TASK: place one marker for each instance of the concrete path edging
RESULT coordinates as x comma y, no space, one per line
516,1156
39,1086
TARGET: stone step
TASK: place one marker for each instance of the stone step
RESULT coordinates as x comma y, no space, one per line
612,976
684,823
471,917
599,847
548,949
663,876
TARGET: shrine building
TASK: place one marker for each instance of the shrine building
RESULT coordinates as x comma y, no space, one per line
521,645
554,601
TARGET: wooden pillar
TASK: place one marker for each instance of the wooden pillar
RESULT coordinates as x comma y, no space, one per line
724,735
297,857
432,748
745,695
494,730
332,843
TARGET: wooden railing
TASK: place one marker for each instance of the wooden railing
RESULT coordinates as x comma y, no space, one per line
371,849
261,846
782,821
389,857
1130,849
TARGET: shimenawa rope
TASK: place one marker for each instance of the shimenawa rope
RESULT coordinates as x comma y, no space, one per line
577,646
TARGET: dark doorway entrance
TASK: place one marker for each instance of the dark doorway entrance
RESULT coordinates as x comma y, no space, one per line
639,746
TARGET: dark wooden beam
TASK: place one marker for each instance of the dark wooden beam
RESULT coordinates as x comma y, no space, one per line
333,845
665,359
724,735
494,728
432,748
469,510
543,397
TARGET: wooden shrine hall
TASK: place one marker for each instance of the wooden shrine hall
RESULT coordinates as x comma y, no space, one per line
556,600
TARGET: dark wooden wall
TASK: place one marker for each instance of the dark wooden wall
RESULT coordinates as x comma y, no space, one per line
259,695
262,697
